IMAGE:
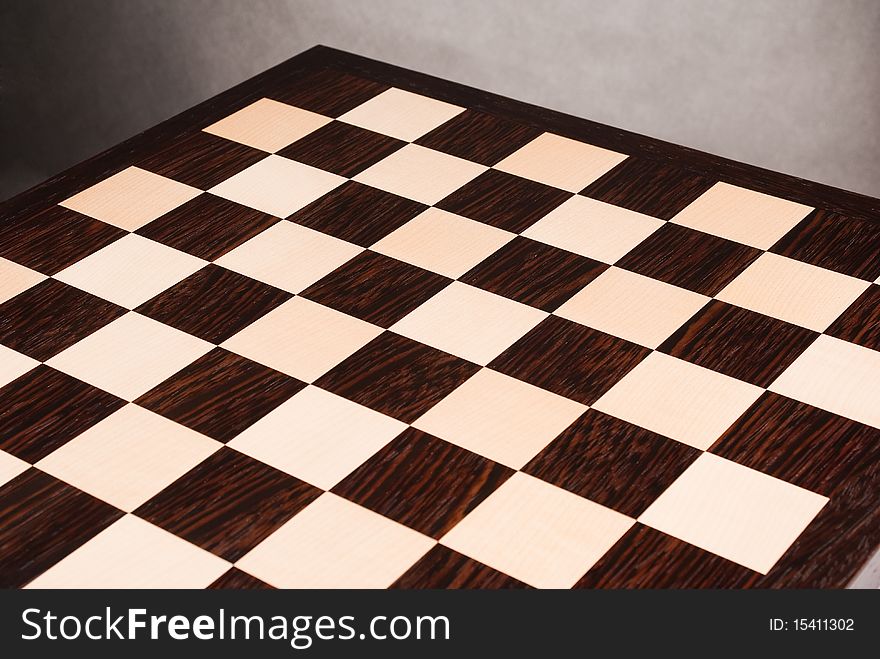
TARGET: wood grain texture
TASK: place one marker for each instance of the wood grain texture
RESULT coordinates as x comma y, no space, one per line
612,462
214,303
839,541
646,558
341,148
397,376
358,213
376,288
235,579
504,200
738,342
208,226
423,482
33,538
648,186
220,394
534,273
326,91
51,316
228,503
801,444
52,239
200,159
569,359
479,137
446,568
847,244
861,322
689,259
44,409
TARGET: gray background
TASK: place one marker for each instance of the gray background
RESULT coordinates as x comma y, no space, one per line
792,85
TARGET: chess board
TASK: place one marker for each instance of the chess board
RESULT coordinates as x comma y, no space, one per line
347,325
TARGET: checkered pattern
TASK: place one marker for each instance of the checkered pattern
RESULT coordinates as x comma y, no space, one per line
344,347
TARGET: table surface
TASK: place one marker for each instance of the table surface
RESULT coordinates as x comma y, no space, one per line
503,346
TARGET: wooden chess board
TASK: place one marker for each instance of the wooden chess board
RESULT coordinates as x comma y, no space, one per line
347,325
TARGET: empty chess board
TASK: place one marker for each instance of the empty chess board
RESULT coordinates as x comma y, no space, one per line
350,326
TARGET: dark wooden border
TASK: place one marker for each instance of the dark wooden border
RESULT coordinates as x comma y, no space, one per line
102,165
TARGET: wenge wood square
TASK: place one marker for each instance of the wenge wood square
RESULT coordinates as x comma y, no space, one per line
51,316
801,444
534,273
846,244
651,187
688,258
423,482
569,359
647,558
200,159
235,579
42,520
207,226
358,213
397,376
503,200
341,148
446,568
214,303
737,342
376,288
612,462
228,503
479,137
52,239
326,91
861,322
220,394
44,409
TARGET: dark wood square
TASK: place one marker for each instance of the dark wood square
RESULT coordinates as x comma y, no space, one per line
42,520
200,159
846,244
326,91
50,317
802,444
690,259
652,187
569,359
214,303
534,273
376,288
44,409
341,148
220,394
861,322
504,200
647,558
445,568
228,504
737,342
423,482
207,226
235,579
358,213
53,239
479,137
612,462
397,376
